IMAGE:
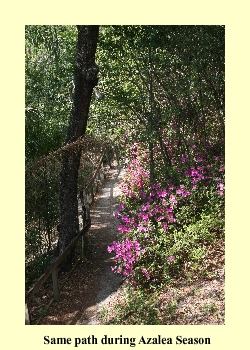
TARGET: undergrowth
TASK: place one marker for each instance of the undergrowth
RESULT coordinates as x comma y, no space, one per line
166,226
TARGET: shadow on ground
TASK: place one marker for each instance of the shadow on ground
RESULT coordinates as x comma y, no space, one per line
92,284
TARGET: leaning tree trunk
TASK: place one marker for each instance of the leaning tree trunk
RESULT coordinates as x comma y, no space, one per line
85,80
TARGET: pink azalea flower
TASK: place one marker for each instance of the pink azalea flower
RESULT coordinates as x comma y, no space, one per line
146,273
163,193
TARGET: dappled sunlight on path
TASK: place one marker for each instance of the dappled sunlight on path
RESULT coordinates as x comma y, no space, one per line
92,284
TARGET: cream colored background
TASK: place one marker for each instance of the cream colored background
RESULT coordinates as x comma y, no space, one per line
235,16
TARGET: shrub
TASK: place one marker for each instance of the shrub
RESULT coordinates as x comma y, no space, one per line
163,226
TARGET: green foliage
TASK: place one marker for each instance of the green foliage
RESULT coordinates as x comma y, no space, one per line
35,268
183,66
49,68
41,206
149,76
187,244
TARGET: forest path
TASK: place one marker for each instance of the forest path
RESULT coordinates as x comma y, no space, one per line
92,284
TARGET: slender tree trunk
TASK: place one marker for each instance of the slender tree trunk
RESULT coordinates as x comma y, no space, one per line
85,80
151,117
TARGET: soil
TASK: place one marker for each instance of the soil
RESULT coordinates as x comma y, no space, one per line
92,286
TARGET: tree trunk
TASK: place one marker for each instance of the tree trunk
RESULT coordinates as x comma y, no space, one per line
85,80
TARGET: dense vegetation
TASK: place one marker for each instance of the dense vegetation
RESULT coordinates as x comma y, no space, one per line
161,95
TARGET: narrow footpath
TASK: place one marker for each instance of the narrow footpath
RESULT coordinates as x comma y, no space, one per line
92,285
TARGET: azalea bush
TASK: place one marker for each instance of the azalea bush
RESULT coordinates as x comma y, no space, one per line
165,224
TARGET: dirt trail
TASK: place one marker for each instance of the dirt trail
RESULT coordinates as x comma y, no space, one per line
92,285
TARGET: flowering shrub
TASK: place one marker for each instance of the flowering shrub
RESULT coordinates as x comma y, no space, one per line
137,174
126,254
163,224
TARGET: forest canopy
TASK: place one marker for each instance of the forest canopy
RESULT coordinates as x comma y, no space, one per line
148,77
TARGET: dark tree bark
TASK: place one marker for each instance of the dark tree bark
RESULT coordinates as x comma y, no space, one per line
85,80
